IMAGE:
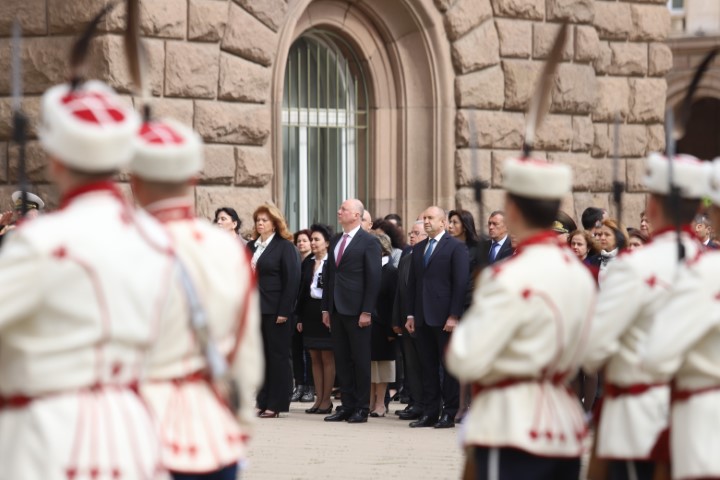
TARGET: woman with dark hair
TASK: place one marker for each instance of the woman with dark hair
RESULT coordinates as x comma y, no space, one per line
461,225
277,265
302,370
636,239
397,239
228,219
316,336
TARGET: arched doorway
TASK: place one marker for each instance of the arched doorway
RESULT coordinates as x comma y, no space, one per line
702,135
401,49
326,126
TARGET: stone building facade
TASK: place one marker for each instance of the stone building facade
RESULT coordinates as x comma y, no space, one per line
434,70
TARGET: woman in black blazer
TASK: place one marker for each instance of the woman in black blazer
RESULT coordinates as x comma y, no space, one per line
277,266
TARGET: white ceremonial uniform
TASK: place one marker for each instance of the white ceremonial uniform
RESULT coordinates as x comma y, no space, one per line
198,432
80,291
684,343
636,402
520,343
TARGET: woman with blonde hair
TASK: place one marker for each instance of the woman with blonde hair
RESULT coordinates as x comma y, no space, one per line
277,265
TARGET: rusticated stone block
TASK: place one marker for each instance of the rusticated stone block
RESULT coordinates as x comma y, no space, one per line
73,16
30,107
492,129
633,140
165,18
656,138
471,164
633,205
498,163
613,20
647,99
575,89
587,44
660,59
223,122
628,58
31,14
544,35
515,38
243,80
113,65
207,20
589,174
270,12
248,37
492,199
35,163
191,69
44,63
573,11
520,81
555,133
465,15
601,140
584,200
613,97
467,56
603,59
254,166
219,165
529,9
245,200
583,134
481,89
650,22
175,108
636,170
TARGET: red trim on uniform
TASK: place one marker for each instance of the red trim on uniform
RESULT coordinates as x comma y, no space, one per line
683,228
556,379
684,395
615,391
173,214
22,401
106,186
544,237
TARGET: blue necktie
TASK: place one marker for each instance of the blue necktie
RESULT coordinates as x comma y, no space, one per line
493,251
429,251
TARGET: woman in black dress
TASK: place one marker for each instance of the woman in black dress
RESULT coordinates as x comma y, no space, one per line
382,337
316,336
277,265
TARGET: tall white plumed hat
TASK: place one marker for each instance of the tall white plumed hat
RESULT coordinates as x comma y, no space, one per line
536,178
166,151
85,125
689,175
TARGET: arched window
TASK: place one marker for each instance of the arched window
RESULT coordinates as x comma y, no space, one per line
325,126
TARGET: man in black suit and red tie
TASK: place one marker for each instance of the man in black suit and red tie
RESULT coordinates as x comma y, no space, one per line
435,297
499,246
354,271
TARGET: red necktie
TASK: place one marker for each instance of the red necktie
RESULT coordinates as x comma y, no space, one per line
342,249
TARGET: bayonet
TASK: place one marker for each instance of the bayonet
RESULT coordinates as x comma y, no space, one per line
20,121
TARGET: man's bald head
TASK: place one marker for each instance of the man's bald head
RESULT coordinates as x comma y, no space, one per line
350,214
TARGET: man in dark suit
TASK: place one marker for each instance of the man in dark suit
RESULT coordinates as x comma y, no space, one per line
499,246
354,271
435,296
411,355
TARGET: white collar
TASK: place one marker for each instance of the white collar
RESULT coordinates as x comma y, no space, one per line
352,232
385,260
437,237
500,242
264,244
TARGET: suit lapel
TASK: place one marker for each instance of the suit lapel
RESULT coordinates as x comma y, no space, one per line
349,246
271,246
441,244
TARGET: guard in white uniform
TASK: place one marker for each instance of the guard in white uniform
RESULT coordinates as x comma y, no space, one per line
684,344
632,428
202,438
80,291
520,342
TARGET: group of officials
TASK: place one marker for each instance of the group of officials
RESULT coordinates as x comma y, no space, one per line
129,338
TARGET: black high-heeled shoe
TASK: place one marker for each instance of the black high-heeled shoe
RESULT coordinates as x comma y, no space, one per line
324,411
311,410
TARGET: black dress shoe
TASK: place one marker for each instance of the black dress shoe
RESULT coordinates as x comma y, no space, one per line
424,421
312,410
297,393
324,411
339,416
360,416
410,415
446,421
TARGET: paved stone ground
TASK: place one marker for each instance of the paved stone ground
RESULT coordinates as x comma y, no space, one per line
299,446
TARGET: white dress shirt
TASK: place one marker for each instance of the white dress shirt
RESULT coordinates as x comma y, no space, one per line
315,291
351,234
260,247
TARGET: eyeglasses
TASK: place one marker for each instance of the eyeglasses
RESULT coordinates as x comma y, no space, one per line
416,234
